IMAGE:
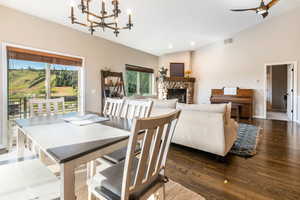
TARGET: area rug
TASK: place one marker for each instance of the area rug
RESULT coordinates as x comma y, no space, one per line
247,139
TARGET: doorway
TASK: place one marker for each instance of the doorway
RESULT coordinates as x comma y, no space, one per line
280,92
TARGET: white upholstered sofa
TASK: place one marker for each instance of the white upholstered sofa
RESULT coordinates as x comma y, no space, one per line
206,127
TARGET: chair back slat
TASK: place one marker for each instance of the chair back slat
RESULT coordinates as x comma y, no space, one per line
155,150
165,142
55,106
113,107
40,108
141,168
43,107
136,109
48,108
157,135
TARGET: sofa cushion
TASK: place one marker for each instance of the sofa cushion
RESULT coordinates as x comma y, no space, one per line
210,108
168,103
215,108
161,111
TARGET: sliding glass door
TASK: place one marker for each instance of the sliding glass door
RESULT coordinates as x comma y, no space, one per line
33,74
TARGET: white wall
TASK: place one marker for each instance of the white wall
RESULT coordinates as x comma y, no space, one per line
179,57
242,63
22,29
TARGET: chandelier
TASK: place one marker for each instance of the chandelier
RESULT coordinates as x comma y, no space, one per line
103,19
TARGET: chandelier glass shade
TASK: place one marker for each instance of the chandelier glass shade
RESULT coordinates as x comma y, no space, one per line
101,20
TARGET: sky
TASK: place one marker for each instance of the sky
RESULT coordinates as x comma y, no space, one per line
24,64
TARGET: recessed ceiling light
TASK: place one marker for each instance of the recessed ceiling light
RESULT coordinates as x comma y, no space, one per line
170,46
192,43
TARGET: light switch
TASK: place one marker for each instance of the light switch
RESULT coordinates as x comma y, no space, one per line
93,91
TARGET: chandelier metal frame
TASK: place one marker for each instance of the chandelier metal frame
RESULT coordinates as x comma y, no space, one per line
99,21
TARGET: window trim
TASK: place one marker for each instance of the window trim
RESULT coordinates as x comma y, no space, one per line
138,68
41,56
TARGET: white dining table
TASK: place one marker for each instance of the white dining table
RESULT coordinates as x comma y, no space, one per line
71,145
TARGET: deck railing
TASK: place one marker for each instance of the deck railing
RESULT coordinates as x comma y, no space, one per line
19,108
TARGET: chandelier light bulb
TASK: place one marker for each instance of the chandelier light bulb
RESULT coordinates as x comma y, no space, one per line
129,12
72,3
192,43
170,46
92,18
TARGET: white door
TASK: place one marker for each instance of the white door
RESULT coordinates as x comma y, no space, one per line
290,92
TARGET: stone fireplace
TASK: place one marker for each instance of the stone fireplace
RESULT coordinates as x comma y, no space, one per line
177,87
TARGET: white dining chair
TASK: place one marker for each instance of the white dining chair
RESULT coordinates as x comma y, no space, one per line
46,107
136,109
28,180
138,178
40,107
113,107
131,109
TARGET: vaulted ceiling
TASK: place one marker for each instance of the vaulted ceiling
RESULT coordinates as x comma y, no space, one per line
164,26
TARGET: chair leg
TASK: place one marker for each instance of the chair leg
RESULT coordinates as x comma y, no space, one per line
160,193
90,169
10,145
42,156
90,195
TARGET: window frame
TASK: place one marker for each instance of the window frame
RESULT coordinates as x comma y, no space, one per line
140,70
4,82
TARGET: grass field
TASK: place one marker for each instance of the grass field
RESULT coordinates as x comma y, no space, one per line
31,83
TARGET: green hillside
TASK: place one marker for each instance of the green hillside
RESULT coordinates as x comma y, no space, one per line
31,83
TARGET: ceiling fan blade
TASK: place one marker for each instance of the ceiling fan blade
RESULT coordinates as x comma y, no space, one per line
265,14
241,10
272,3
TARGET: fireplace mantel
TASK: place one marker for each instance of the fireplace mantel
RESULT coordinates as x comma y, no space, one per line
176,83
180,79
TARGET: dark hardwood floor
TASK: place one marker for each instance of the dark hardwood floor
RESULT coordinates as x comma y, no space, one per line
274,173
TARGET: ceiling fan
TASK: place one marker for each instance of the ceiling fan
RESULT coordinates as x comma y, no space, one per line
263,9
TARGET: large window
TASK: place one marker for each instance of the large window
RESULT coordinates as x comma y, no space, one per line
139,80
33,74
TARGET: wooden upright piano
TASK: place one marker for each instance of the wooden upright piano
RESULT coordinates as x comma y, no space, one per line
242,102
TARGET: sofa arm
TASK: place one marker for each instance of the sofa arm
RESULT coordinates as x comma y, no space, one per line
201,130
231,131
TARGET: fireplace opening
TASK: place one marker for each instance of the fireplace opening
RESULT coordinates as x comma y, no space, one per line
179,94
